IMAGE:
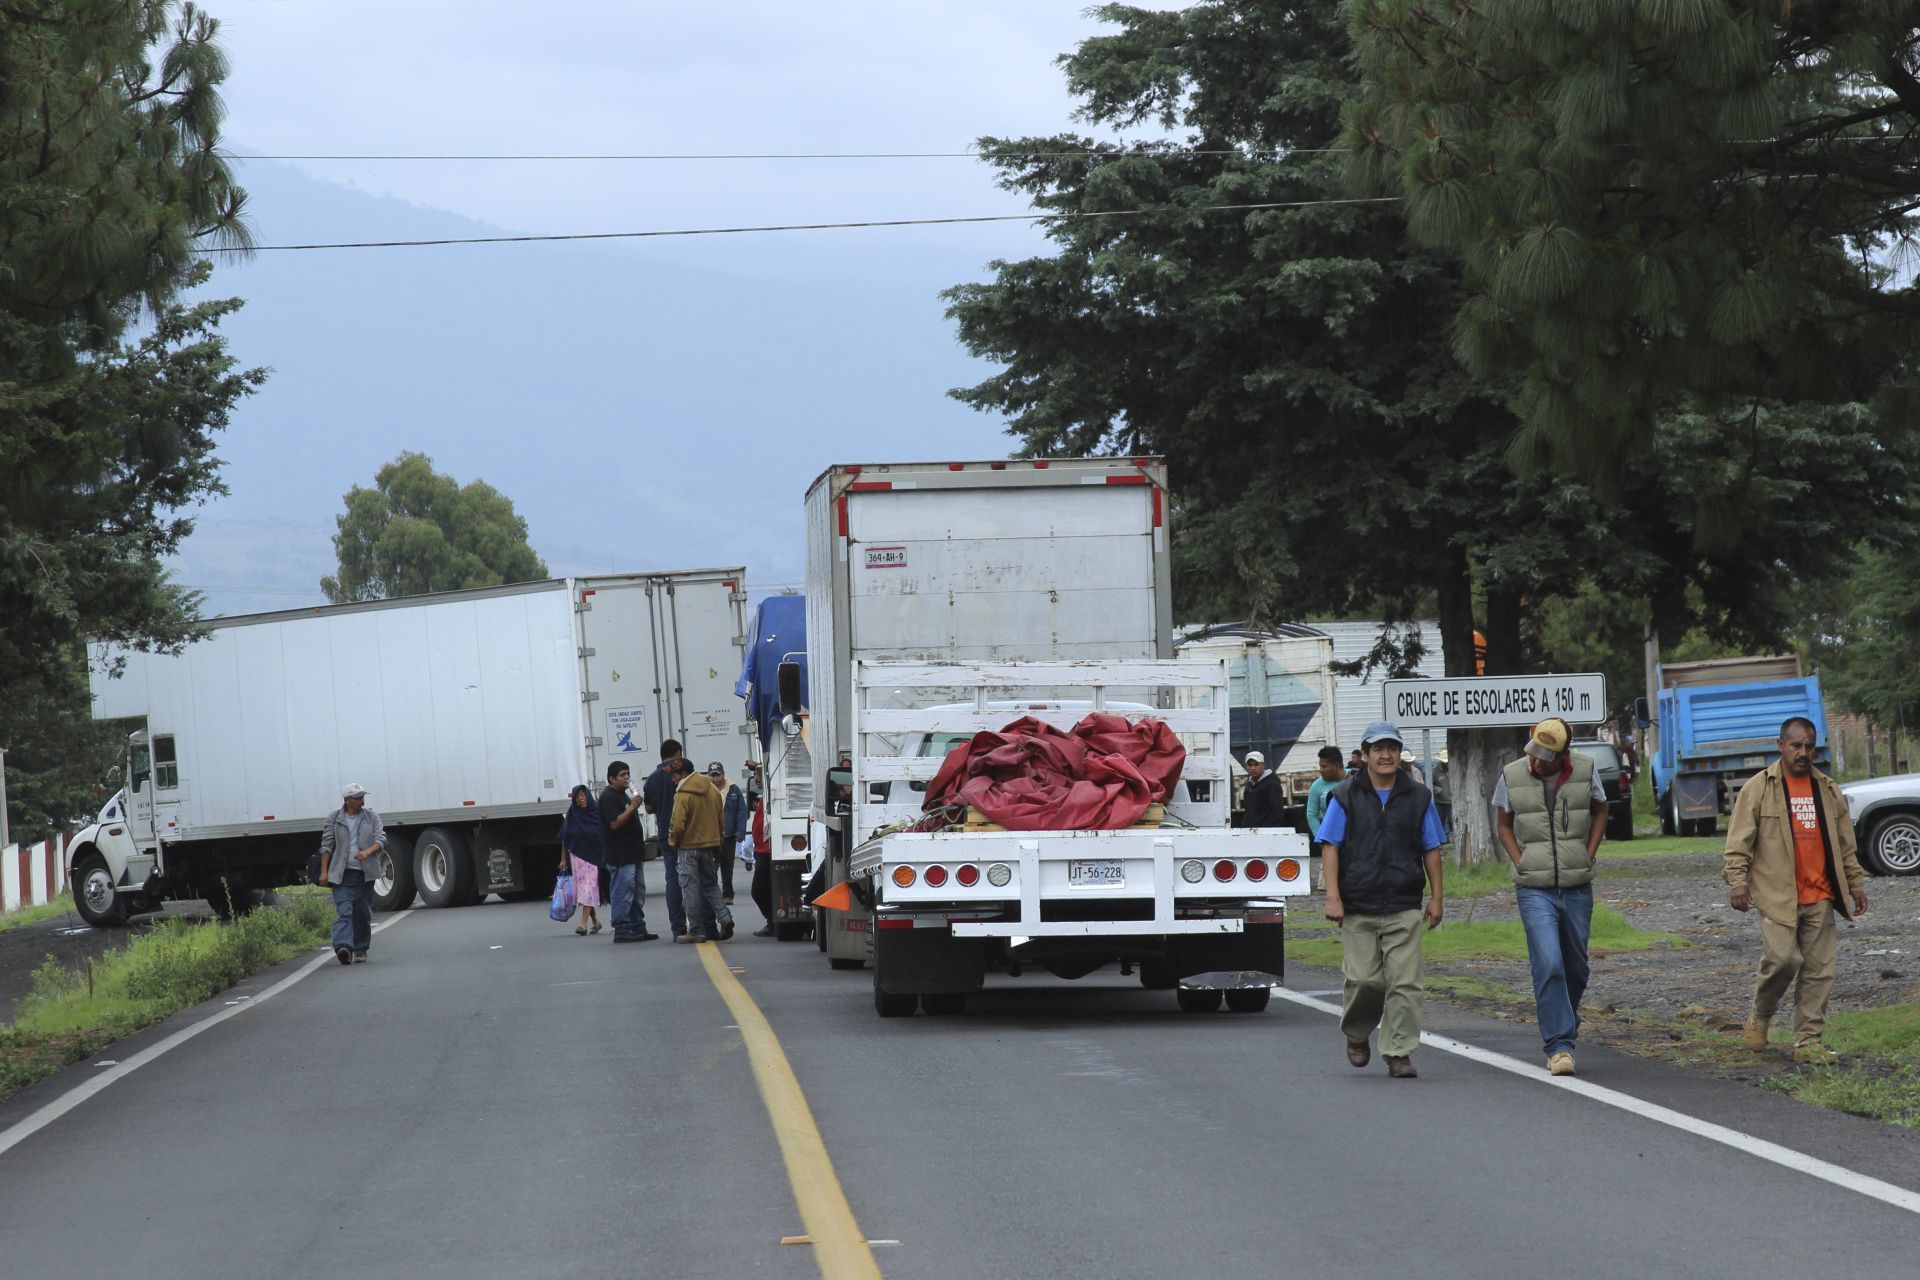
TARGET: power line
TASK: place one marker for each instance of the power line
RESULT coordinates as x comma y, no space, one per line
794,226
816,155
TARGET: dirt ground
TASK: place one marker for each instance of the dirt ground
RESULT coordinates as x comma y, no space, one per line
70,940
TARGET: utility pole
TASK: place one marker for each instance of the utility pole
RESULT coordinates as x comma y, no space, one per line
5,835
1648,738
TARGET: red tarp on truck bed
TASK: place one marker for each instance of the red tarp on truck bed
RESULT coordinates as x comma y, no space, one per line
1031,776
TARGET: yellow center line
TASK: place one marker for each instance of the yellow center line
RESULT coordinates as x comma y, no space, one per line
839,1246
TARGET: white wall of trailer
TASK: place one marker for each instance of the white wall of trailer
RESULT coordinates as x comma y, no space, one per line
449,705
1359,699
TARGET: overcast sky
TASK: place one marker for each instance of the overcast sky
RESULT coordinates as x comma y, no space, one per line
648,404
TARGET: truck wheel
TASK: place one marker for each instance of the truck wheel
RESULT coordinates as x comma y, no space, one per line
789,932
393,886
1158,975
1621,826
1249,999
845,962
1199,999
1669,815
443,868
230,902
892,1004
94,896
1895,844
819,929
944,1004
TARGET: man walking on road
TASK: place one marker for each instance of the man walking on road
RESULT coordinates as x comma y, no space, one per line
696,834
353,835
1264,806
1790,853
1551,814
626,850
1332,774
658,792
1379,847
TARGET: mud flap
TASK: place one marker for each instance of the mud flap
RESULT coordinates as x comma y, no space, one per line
920,961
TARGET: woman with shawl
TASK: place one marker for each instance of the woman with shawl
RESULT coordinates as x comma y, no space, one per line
581,854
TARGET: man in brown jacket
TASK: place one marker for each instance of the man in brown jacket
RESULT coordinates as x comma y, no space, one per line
1790,853
697,833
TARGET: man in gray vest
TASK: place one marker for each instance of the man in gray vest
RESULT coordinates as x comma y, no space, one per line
1551,813
1379,849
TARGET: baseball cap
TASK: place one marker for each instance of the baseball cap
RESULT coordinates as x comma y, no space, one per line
1382,731
351,790
1254,757
716,768
1549,740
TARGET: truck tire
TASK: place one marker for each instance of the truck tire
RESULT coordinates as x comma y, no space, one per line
393,885
1199,999
892,1004
944,1004
1621,828
819,929
845,962
1158,975
443,867
1894,844
1249,999
789,932
1669,814
230,902
94,895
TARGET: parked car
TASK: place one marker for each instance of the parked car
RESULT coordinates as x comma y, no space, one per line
1613,778
1886,819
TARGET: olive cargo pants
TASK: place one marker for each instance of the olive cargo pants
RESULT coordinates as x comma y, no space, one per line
1380,959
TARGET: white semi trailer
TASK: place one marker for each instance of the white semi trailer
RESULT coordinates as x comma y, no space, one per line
467,715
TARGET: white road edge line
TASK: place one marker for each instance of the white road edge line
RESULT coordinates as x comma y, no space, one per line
1786,1157
46,1115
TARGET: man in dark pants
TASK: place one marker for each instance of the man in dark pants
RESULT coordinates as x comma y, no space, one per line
353,835
1265,805
733,825
658,793
1379,847
762,867
625,844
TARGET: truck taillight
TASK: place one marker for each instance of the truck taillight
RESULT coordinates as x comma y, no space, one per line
968,875
936,876
1287,869
999,874
1224,870
1256,870
797,843
904,877
1193,871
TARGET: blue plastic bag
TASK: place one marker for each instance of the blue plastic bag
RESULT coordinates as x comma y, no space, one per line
563,900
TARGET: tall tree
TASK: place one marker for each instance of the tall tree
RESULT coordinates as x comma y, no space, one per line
1295,364
417,530
110,179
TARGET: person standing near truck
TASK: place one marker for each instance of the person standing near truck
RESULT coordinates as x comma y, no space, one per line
582,853
1379,847
658,791
1551,815
1264,805
1790,853
1332,774
626,850
733,824
696,834
353,835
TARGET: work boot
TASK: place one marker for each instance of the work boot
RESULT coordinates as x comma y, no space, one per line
1560,1064
1815,1054
343,955
1401,1068
1358,1054
1754,1032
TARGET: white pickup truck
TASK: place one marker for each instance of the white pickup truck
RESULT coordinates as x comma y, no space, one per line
1190,904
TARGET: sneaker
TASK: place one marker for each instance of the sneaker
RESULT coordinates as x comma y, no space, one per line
1754,1032
726,929
691,937
359,957
626,937
1560,1064
767,932
1358,1054
1401,1068
345,956
1815,1054
645,937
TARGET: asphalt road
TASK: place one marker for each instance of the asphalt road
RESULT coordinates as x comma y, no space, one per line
494,1096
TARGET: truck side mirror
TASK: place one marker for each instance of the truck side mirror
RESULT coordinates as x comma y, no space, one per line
789,683
1641,716
790,725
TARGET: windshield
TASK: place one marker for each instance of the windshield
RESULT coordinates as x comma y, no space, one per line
1602,754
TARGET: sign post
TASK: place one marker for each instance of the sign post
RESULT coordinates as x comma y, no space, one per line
1495,702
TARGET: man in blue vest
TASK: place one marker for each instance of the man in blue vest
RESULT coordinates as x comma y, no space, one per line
1551,814
1379,850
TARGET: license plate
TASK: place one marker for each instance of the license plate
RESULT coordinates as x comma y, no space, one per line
1104,874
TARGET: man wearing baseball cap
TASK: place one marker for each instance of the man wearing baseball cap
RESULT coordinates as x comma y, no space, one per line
1379,849
1264,806
1550,813
350,844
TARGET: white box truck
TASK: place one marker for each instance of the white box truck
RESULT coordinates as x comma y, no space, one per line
933,590
1282,702
777,638
467,715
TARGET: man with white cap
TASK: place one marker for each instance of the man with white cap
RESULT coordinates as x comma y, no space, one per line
352,838
1550,814
1264,805
1379,849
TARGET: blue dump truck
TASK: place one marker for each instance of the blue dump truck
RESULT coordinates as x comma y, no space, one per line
1718,723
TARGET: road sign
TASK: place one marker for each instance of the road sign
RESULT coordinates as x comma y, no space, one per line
1494,702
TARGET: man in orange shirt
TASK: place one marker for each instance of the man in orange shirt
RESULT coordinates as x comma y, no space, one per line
1790,853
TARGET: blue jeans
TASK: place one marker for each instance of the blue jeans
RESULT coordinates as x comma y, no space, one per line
676,907
1557,922
629,899
353,912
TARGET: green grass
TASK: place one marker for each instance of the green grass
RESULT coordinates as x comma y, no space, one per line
72,1013
1891,1098
1494,939
1891,1032
60,906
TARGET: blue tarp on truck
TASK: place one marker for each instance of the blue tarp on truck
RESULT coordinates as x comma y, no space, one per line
779,634
1713,737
